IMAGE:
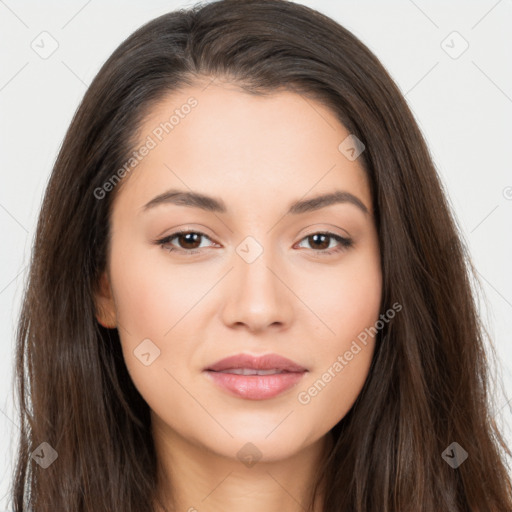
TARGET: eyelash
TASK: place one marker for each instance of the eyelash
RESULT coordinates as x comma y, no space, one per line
345,243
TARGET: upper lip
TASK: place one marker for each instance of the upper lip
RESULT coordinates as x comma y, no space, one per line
265,362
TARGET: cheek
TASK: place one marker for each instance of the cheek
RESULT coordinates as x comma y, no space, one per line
330,393
345,299
150,301
348,304
152,296
342,363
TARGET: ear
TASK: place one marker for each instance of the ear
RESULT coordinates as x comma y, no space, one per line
104,303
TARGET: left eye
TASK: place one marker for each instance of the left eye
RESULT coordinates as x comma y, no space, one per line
189,239
319,238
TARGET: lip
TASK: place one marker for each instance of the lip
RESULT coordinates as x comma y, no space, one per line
265,362
256,387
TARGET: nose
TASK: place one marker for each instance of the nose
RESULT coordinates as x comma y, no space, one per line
257,295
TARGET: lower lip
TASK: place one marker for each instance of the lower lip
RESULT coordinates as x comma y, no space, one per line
256,387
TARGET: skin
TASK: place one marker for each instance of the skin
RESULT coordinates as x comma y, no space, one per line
258,154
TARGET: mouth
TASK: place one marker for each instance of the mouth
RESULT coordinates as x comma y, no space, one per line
252,371
255,378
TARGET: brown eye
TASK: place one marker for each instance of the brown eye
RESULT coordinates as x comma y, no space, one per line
187,241
320,243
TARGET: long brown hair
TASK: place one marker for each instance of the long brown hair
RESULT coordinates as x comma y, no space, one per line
428,385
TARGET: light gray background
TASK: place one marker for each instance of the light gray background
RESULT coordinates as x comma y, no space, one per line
463,106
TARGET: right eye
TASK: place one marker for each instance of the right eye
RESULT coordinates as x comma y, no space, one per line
186,237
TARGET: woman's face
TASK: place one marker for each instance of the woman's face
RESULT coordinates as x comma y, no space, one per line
255,276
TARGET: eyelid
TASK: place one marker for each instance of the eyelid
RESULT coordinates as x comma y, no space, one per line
322,230
186,228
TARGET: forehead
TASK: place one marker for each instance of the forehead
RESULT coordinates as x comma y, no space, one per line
220,138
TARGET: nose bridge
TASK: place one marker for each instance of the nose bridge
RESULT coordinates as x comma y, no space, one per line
258,298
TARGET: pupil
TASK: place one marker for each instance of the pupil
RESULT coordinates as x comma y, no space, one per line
187,235
315,237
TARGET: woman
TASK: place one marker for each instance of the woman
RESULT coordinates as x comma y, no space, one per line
318,349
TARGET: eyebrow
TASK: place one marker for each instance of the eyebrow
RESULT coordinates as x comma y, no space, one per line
217,205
